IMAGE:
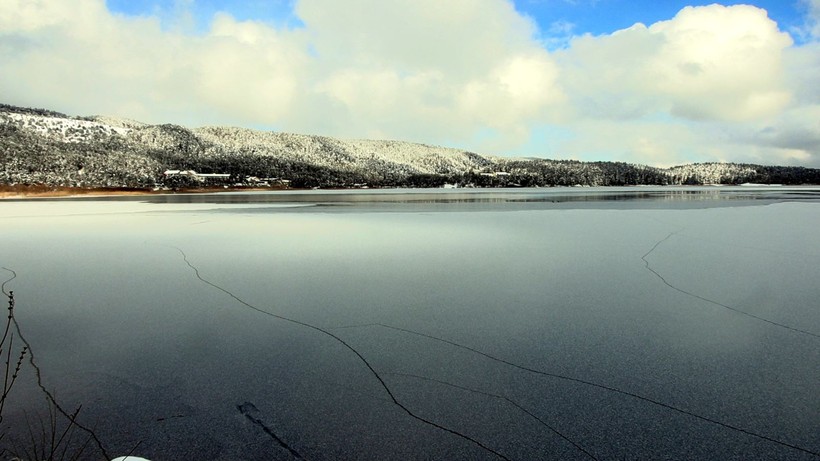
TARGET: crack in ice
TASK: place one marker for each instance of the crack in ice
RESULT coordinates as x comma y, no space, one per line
591,384
712,301
361,358
506,399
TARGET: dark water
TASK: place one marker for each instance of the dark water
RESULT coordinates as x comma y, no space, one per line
518,324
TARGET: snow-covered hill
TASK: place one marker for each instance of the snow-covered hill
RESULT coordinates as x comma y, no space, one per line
44,147
402,157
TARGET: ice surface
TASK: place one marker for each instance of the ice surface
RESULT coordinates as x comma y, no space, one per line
435,331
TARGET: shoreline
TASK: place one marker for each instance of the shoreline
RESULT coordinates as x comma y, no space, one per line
41,191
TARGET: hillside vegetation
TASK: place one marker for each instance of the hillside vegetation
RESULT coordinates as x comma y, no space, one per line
41,147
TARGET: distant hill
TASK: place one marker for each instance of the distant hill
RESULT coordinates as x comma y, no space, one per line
42,147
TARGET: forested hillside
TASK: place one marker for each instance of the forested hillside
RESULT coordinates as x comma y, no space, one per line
41,147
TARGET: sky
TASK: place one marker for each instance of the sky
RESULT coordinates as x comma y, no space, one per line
656,82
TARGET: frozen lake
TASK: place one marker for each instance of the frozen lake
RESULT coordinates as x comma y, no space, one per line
619,323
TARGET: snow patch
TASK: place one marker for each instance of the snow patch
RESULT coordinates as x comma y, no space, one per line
66,129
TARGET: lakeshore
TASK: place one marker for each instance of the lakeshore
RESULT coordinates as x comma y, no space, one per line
40,191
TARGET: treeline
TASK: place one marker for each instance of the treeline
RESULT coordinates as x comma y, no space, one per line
543,173
40,147
31,111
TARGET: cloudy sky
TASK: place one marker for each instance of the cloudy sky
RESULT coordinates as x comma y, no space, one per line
658,82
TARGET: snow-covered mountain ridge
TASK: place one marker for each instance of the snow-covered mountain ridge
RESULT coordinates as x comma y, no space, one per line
48,148
343,154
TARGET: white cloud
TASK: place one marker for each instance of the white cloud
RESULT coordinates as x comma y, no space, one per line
713,62
721,62
468,73
448,69
422,70
701,86
465,37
